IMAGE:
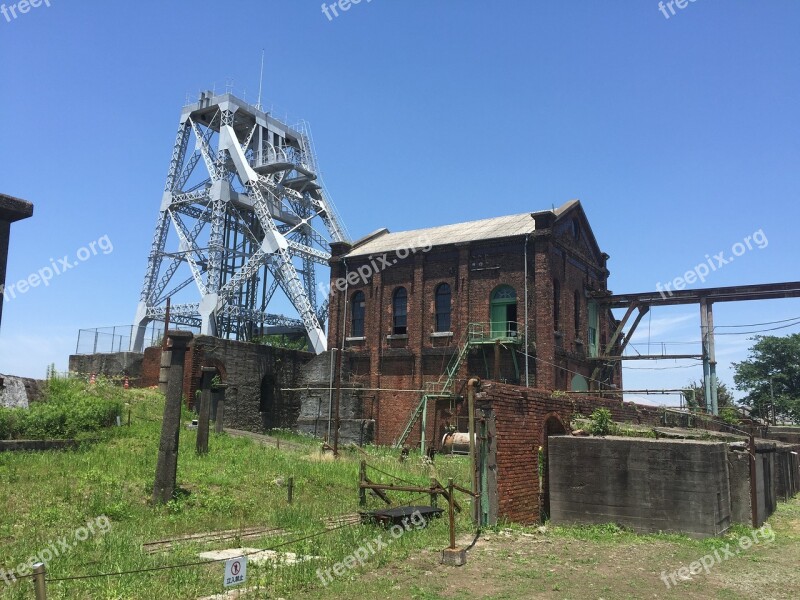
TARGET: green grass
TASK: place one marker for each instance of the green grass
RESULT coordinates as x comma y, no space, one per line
70,408
49,495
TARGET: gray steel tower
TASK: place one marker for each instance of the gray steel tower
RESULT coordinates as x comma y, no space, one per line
257,220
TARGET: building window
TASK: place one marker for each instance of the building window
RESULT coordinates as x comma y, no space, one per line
504,312
357,318
556,305
443,297
577,313
400,311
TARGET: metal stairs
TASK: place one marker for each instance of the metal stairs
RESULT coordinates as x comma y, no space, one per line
443,388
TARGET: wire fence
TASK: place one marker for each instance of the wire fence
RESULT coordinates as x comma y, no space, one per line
118,338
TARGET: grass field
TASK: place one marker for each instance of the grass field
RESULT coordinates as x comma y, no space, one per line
48,497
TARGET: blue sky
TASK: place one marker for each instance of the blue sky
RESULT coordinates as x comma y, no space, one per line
679,136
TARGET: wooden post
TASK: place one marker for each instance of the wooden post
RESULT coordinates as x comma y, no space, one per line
205,408
39,581
290,489
129,416
452,514
167,469
362,492
434,495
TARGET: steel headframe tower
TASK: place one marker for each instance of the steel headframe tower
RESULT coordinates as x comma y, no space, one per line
258,221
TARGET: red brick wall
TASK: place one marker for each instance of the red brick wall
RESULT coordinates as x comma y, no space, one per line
473,272
520,415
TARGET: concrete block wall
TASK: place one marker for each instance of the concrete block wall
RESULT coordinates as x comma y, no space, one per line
316,403
647,485
112,364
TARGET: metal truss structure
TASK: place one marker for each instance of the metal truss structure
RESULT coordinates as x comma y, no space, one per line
257,221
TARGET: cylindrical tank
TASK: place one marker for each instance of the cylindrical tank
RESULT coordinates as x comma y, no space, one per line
455,442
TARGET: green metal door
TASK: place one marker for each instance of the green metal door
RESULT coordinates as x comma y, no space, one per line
503,298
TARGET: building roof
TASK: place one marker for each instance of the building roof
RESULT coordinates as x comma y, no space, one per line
485,229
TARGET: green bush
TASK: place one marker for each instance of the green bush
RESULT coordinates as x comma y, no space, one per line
69,407
601,422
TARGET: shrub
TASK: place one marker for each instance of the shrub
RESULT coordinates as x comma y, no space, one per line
69,408
601,422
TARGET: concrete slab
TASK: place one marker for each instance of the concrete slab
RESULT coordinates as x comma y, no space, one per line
454,557
256,556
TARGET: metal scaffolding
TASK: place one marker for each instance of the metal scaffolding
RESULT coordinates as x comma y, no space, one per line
255,222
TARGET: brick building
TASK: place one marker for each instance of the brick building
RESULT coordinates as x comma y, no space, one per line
512,299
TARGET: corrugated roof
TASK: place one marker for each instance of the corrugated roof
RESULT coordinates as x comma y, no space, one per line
485,229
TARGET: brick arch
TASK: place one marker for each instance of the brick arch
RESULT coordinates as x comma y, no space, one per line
552,424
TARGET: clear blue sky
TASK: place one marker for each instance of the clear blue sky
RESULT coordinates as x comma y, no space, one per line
679,135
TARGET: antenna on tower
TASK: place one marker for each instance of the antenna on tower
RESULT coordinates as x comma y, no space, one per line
260,81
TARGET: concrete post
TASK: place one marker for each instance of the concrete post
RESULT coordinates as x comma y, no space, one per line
167,469
11,210
205,409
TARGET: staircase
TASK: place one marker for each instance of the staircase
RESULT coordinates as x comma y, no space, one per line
444,388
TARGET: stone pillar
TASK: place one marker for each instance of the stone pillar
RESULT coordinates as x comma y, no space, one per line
167,469
205,408
11,210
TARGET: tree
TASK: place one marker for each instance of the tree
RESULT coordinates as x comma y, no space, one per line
291,342
697,400
771,369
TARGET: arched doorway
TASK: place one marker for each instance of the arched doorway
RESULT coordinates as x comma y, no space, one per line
269,404
503,311
553,425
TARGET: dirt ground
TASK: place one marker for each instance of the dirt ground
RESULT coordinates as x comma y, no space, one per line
510,564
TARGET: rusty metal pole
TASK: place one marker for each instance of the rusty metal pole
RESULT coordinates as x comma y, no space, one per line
472,384
39,581
753,484
452,514
336,403
167,469
166,324
205,408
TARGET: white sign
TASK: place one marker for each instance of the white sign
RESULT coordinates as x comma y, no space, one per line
235,571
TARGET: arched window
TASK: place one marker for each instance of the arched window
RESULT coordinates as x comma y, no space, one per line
400,311
504,312
443,297
556,305
357,315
